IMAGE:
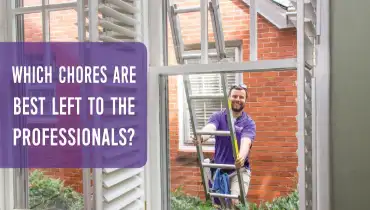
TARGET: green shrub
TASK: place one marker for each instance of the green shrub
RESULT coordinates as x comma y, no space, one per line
181,201
51,194
289,202
48,193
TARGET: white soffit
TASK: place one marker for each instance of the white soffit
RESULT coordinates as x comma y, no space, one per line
274,12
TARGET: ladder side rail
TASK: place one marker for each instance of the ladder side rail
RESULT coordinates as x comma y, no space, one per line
233,139
176,33
173,12
194,125
179,49
214,8
215,30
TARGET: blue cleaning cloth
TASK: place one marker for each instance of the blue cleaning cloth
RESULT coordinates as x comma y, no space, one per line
221,183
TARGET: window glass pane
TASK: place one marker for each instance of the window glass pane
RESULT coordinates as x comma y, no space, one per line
32,3
28,3
61,1
206,84
63,26
29,27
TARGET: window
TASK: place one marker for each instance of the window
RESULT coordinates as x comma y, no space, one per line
32,59
203,84
42,90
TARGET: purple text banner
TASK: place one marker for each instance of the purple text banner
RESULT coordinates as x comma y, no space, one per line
73,105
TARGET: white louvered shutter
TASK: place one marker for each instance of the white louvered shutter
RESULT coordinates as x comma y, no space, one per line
120,20
207,84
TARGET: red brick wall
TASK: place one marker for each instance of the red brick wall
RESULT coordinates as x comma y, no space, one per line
271,104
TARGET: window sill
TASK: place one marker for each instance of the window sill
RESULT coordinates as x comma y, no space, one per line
191,148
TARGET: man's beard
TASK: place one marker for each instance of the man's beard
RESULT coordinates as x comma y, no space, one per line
236,107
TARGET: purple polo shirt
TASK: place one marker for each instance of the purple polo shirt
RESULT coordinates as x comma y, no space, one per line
244,127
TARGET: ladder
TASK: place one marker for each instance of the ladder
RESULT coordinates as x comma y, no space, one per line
214,8
231,133
173,12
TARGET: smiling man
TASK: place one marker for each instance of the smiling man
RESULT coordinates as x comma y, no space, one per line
245,131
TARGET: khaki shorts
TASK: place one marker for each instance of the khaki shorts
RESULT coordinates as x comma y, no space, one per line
234,182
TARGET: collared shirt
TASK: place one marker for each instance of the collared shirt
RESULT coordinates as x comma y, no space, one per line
244,127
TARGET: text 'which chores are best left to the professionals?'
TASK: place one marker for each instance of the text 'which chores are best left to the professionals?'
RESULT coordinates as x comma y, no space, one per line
68,106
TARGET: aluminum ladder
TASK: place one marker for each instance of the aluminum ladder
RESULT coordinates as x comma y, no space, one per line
215,14
231,133
174,20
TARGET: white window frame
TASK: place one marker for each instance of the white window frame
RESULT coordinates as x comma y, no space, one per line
183,116
15,181
14,34
158,191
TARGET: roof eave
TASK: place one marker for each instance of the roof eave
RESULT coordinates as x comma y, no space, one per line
273,13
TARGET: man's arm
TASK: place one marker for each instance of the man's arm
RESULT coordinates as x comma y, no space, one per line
245,146
210,127
247,138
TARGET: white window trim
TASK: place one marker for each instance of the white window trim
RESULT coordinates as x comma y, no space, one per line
156,192
182,128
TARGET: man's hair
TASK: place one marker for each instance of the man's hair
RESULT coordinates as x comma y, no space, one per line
239,87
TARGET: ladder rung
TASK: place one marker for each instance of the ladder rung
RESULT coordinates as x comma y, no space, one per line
223,166
197,55
187,10
224,195
215,133
216,96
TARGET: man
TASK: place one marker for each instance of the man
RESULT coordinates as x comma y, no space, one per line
245,131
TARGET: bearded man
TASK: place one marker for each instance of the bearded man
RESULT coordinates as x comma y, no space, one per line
245,131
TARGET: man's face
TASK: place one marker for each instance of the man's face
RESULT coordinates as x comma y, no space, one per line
238,100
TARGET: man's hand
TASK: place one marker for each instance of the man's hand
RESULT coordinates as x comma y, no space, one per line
244,151
197,141
239,162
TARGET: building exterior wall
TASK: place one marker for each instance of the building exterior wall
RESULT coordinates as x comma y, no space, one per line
271,104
